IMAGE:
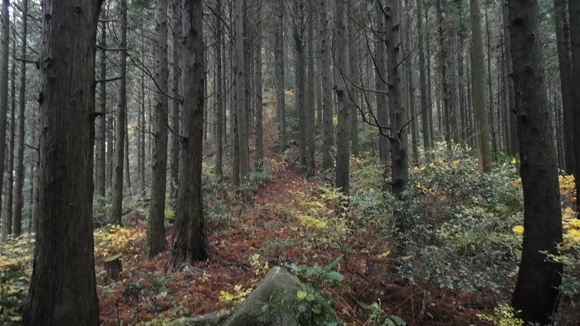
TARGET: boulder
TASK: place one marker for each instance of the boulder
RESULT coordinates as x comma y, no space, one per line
250,312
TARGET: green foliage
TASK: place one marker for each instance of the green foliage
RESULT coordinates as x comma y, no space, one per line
16,254
101,210
13,293
379,317
310,302
323,217
118,240
503,315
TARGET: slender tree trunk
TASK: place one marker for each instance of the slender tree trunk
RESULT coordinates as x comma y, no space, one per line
18,185
220,103
175,103
479,99
353,93
189,242
4,76
409,81
8,216
327,109
242,109
259,128
563,44
536,293
381,83
279,74
299,35
399,119
63,286
101,122
514,146
310,92
119,156
342,178
425,109
155,224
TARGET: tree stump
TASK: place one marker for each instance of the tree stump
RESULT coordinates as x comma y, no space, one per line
114,267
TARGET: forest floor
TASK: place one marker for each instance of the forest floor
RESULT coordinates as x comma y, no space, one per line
266,233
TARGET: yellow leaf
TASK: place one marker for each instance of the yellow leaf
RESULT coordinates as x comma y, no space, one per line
384,254
518,229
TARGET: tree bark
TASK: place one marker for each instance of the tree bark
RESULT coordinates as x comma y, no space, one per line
4,76
119,152
327,109
155,224
63,287
381,84
175,103
189,242
101,122
479,98
536,293
342,177
425,109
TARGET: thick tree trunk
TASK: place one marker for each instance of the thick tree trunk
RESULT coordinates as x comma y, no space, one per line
63,287
480,107
119,156
189,242
536,293
155,224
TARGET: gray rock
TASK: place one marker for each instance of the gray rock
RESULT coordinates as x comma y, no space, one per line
251,312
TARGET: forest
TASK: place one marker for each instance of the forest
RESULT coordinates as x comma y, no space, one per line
289,162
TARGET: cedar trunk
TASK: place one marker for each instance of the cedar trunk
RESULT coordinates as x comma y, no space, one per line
63,287
536,293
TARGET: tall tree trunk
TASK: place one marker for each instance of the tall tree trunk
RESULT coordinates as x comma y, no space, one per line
353,92
574,14
514,145
536,293
189,242
4,76
242,109
399,119
101,122
8,215
327,110
259,128
279,73
63,286
381,83
479,99
155,224
175,103
18,185
563,44
409,81
425,109
342,178
299,35
119,156
220,103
